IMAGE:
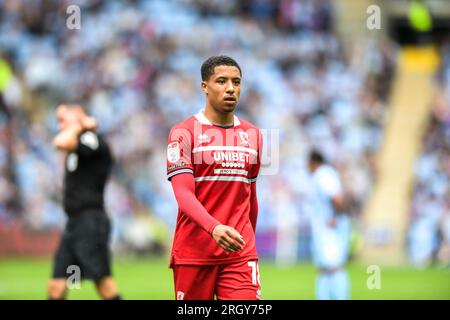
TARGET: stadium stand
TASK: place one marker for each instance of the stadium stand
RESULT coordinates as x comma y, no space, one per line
135,65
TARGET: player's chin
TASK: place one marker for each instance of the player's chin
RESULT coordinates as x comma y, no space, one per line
229,106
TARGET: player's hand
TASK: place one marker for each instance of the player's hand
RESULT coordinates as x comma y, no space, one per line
65,139
89,123
75,128
228,238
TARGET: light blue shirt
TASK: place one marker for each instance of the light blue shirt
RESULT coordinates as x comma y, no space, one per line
325,184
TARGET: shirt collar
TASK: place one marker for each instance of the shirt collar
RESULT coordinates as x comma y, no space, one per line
203,120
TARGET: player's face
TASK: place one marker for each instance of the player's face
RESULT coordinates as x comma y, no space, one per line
65,117
223,88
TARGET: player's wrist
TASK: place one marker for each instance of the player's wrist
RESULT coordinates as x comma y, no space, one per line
214,226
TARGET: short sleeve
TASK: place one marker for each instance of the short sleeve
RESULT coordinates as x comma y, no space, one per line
89,143
330,183
179,152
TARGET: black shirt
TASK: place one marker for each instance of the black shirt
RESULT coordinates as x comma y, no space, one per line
86,173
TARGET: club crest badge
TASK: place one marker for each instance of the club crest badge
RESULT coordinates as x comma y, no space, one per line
244,138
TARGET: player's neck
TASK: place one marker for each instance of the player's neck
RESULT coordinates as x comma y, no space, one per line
219,119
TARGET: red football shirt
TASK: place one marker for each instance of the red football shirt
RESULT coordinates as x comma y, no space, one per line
224,162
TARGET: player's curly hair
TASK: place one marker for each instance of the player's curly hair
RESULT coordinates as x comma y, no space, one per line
208,66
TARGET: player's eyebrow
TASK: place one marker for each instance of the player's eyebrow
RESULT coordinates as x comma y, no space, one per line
224,77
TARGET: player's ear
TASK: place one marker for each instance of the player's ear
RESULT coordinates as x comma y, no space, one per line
204,87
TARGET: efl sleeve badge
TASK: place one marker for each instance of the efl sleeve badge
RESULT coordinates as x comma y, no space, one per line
173,152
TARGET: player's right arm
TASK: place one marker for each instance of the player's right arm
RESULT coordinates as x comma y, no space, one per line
180,172
184,189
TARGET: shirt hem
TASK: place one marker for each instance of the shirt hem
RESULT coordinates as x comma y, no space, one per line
210,262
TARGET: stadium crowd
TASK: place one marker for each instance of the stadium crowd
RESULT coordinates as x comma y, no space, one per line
429,237
135,65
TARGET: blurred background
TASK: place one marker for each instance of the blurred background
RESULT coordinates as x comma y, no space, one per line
374,98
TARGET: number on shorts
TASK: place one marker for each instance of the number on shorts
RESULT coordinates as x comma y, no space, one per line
255,272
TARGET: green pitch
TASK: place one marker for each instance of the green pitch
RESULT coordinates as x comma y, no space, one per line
151,279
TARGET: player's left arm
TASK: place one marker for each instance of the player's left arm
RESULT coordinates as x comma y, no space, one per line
253,206
331,185
338,202
253,194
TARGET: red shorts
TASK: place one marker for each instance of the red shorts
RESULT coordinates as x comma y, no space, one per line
234,281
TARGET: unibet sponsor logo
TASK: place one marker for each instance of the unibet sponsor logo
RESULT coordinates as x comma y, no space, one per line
231,156
230,171
233,165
